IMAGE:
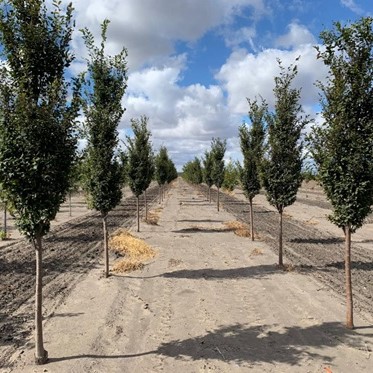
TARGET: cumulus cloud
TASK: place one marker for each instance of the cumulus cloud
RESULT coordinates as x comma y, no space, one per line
150,28
297,36
248,75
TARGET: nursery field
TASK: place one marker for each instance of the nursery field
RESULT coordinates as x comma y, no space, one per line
209,300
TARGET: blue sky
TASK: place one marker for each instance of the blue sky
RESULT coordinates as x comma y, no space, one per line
192,63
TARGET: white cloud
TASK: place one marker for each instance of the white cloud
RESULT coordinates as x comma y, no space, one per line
350,4
297,36
150,28
248,75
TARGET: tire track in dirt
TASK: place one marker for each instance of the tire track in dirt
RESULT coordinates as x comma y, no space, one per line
310,250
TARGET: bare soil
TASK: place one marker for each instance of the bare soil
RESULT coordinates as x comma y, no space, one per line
209,301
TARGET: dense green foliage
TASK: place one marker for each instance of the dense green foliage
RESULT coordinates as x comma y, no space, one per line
281,171
207,169
218,148
106,84
252,148
140,168
343,145
231,176
165,170
192,171
37,142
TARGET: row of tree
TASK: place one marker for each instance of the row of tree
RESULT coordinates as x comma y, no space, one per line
273,147
39,107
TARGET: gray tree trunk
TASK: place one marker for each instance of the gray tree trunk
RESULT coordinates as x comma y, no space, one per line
106,244
70,214
280,260
146,207
251,219
349,301
5,219
41,355
138,213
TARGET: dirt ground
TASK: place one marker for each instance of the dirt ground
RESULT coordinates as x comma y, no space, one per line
210,301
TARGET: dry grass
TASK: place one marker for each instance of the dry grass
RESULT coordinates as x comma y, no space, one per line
256,252
312,221
240,229
153,216
134,250
127,265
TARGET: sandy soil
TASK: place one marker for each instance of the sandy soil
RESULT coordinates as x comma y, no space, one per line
209,301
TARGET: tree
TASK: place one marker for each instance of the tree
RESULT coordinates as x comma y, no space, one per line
37,142
342,146
231,176
207,172
282,168
106,83
192,171
162,169
251,142
140,160
171,171
218,148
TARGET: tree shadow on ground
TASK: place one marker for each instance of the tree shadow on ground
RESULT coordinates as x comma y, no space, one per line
261,271
204,230
361,266
254,345
318,240
199,221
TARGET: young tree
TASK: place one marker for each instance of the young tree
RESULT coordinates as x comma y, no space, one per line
343,145
192,171
140,160
37,142
207,172
231,176
107,82
251,142
282,168
172,172
162,166
218,148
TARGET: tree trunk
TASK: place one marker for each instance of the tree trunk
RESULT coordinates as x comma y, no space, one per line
349,302
209,194
70,214
5,219
106,244
160,194
41,355
280,261
251,219
146,207
218,200
138,213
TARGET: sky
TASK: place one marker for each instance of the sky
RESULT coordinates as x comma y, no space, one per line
192,64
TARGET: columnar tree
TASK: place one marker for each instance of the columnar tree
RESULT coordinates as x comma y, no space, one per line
283,165
343,145
37,142
162,166
172,172
231,176
218,148
251,142
192,171
106,83
140,160
207,172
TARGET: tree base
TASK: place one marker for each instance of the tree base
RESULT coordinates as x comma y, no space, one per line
40,360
